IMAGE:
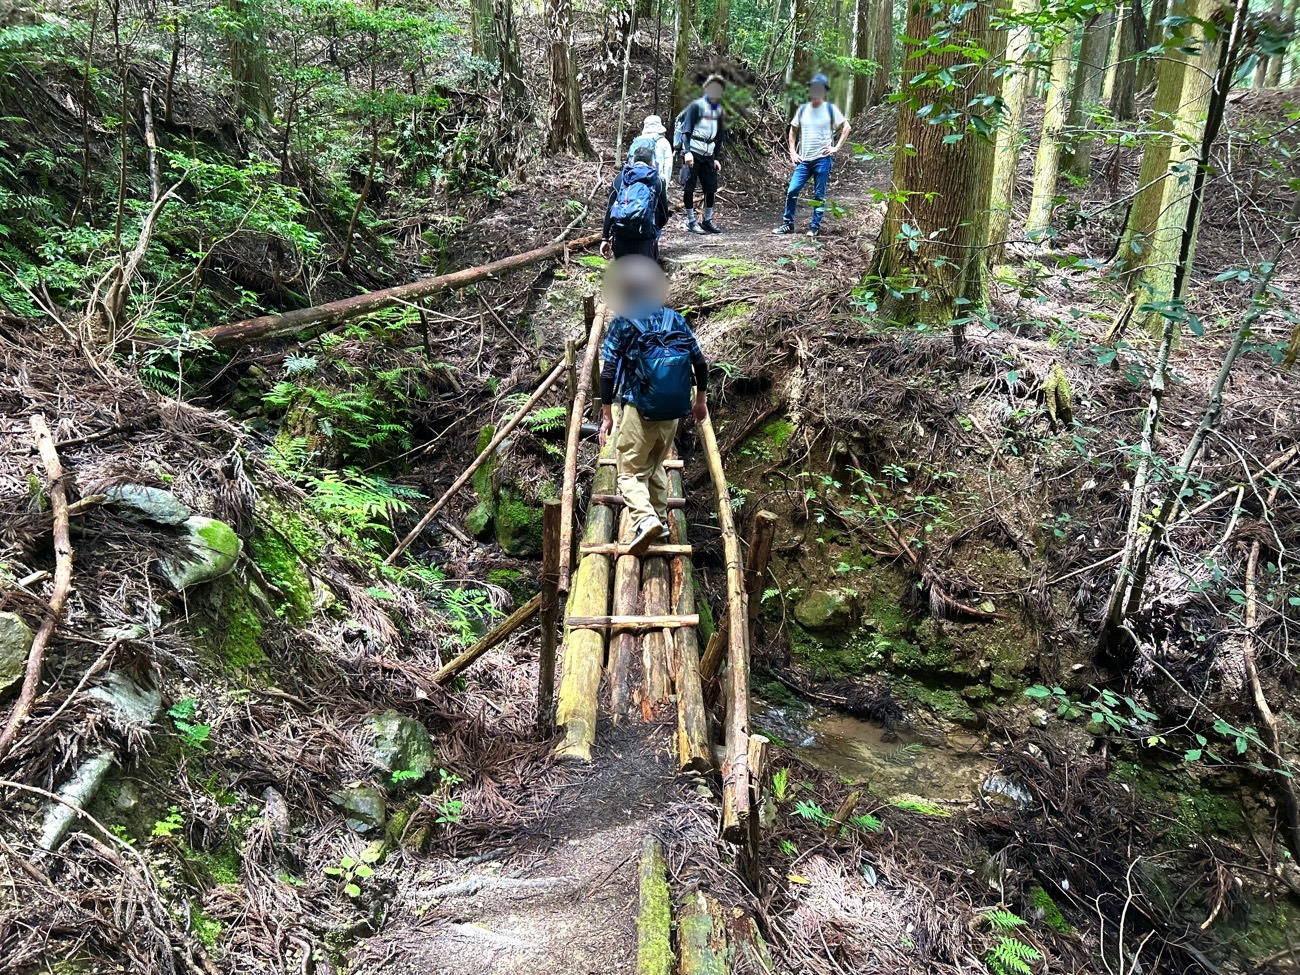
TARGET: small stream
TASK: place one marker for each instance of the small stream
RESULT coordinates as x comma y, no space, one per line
940,769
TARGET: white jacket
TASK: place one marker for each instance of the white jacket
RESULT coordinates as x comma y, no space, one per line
663,156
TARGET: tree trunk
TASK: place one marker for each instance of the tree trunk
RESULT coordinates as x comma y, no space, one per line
682,90
931,245
1156,32
1086,96
881,82
1047,162
249,72
1160,205
858,95
803,52
568,130
1122,78
1278,61
505,40
1010,135
722,26
483,40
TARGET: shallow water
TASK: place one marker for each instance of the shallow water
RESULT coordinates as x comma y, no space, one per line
864,754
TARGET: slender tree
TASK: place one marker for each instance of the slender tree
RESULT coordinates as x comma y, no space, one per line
884,56
858,94
250,71
682,90
1010,137
930,254
722,26
1121,77
1085,97
803,48
1155,34
1047,162
567,128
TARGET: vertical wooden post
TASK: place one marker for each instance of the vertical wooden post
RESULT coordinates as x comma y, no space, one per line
568,545
570,377
761,537
551,513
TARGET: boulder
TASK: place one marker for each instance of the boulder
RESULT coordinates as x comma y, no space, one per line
15,643
212,550
825,609
400,744
518,526
142,503
479,521
363,807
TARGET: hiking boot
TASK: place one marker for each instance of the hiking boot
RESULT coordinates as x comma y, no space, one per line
710,227
785,228
693,227
814,232
646,535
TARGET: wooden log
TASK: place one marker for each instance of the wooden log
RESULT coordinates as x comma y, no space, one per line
624,666
334,312
654,952
572,444
496,636
671,464
842,814
478,461
58,492
550,610
609,548
735,773
761,536
750,865
657,622
654,650
694,753
584,649
616,501
702,937
750,953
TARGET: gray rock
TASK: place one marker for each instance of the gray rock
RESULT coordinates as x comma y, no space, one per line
1008,790
148,504
15,643
129,703
213,548
76,794
363,808
275,813
127,798
400,744
825,609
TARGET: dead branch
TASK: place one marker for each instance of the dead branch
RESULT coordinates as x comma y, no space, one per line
62,581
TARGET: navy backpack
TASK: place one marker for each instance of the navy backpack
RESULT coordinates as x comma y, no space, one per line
632,215
659,368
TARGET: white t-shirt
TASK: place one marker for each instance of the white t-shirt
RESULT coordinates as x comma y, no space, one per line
817,126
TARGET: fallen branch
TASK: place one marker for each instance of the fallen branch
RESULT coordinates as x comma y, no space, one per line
62,581
487,452
495,637
334,312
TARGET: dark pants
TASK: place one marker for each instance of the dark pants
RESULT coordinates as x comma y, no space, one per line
706,173
643,248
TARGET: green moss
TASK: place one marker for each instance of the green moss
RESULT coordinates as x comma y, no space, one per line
886,617
236,640
945,703
486,474
838,655
654,955
222,864
206,929
283,550
1201,811
520,587
519,526
1041,902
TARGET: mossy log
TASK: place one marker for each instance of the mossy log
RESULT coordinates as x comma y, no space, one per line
750,955
624,665
654,952
701,937
584,649
694,753
602,485
654,646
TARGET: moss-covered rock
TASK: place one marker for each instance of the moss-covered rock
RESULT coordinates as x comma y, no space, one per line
518,526
944,703
279,551
143,503
212,548
15,642
480,521
825,610
364,808
234,637
399,744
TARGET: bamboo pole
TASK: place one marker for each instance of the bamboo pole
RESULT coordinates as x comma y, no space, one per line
478,461
654,953
609,548
622,648
756,752
616,501
702,937
594,334
654,650
735,772
334,312
496,636
761,536
694,753
584,649
550,609
655,622
58,491
842,814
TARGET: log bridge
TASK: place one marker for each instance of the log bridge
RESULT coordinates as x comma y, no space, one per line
634,646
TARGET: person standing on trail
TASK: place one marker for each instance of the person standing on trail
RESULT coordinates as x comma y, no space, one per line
651,360
652,135
817,132
637,210
701,135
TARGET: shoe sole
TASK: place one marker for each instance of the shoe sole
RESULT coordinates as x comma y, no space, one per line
642,542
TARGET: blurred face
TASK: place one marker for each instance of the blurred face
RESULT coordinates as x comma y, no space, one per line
713,92
816,92
635,286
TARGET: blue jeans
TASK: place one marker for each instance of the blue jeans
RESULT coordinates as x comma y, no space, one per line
819,171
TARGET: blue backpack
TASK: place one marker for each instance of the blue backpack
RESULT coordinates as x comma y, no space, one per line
632,215
660,372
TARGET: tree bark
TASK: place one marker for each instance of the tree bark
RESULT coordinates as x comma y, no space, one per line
568,130
858,95
1086,96
803,33
1010,138
930,252
1156,32
882,80
682,90
249,71
1123,77
722,26
1047,162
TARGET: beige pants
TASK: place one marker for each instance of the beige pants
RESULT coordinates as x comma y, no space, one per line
642,448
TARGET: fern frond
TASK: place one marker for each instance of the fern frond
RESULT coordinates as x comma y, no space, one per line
1011,956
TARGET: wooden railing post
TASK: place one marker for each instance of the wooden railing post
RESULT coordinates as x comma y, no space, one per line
551,514
761,537
567,545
